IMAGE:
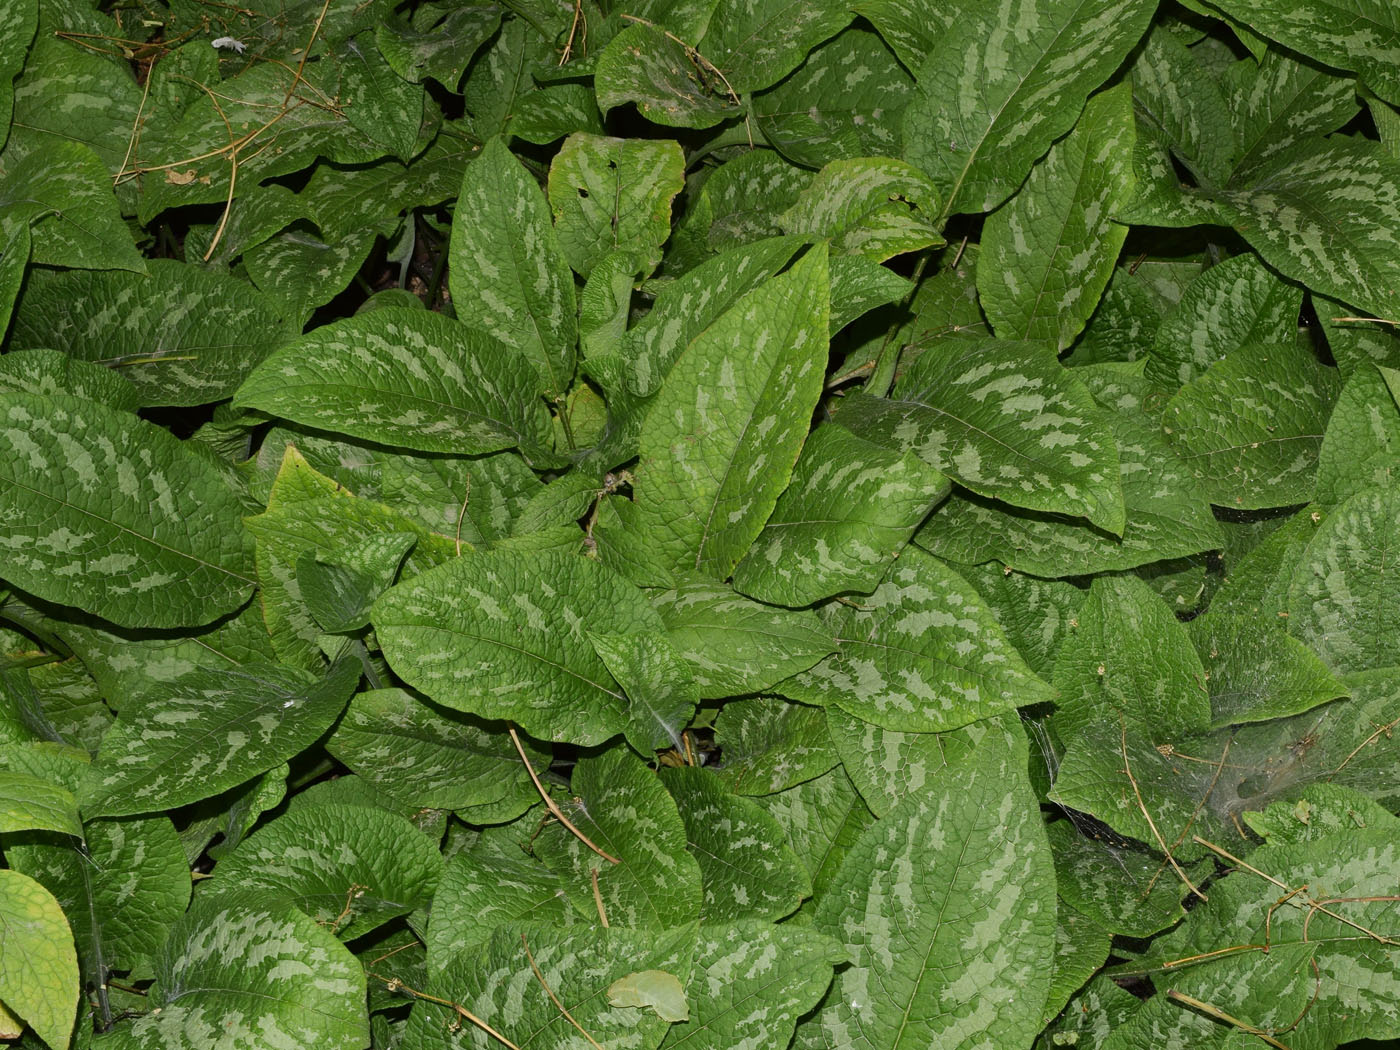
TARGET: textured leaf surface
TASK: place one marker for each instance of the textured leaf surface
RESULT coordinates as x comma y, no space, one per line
429,755
30,803
823,818
719,443
1343,598
508,274
623,808
661,691
441,51
877,207
182,335
406,378
1361,447
747,871
1250,427
483,889
15,38
1256,672
114,515
1118,885
1004,419
751,983
496,982
128,879
1129,658
849,510
54,372
609,193
207,731
1180,104
922,654
736,646
1233,304
1048,254
670,87
947,907
770,744
503,635
257,974
755,43
1003,83
351,868
38,966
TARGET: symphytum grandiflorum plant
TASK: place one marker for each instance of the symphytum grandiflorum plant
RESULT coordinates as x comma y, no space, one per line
699,524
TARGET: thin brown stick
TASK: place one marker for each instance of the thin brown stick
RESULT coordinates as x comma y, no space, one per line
1210,788
135,127
598,897
550,991
700,60
1357,750
461,514
552,806
296,77
396,985
573,32
1370,320
1128,769
1220,1015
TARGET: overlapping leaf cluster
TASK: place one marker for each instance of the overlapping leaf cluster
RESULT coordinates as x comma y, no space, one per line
838,527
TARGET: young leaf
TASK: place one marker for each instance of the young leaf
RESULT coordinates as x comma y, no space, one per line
209,731
922,654
849,510
1002,84
503,634
1250,427
508,274
1006,420
1048,253
625,811
38,966
947,907
258,973
661,692
722,436
112,514
747,871
613,193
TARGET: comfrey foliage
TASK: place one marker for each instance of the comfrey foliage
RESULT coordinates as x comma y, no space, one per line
699,524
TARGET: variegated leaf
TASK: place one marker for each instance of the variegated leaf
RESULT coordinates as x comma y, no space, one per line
720,441
485,888
755,43
669,84
877,207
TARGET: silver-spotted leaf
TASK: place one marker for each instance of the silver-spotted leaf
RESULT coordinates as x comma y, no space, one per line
661,691
1256,671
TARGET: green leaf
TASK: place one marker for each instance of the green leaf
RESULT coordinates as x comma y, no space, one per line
180,334
508,273
1049,252
1292,214
1361,447
877,207
15,38
1256,672
661,692
303,271
753,981
712,468
735,646
654,990
1129,658
770,744
115,515
846,515
1178,103
351,868
947,907
28,803
608,193
62,191
38,966
14,259
756,43
128,879
258,973
669,83
208,731
1081,948
497,983
338,595
625,811
1342,600
922,654
483,889
430,756
1000,85
1250,427
1036,614
1360,35
1233,304
54,372
407,378
843,101
1324,810
504,635
438,48
1004,419
1119,886
747,871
